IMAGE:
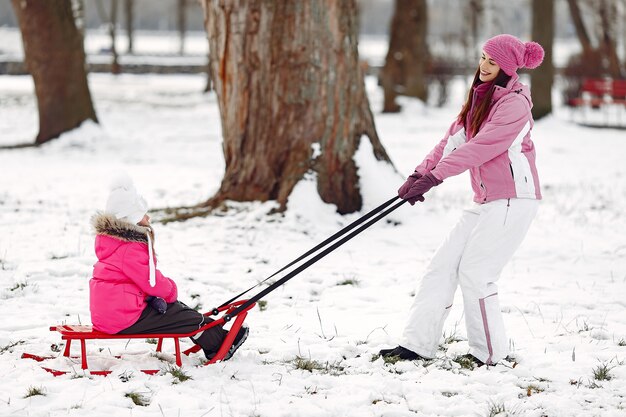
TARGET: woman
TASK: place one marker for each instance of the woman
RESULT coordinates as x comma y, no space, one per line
491,138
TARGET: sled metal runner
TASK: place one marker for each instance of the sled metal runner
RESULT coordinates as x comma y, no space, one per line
81,333
233,310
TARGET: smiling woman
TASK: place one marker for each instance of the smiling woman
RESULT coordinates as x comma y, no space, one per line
491,139
488,68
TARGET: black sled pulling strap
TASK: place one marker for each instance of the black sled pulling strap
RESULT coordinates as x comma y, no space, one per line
375,215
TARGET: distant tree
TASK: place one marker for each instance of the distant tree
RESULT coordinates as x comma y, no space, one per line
607,29
542,78
291,96
54,56
129,8
603,58
476,10
115,64
408,58
579,25
111,21
182,23
209,85
79,16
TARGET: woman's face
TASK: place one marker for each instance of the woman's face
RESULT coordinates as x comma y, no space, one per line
488,68
145,221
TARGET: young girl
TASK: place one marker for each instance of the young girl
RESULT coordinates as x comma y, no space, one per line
491,138
128,294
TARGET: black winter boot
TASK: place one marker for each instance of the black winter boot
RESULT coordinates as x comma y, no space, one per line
386,352
474,360
400,352
241,337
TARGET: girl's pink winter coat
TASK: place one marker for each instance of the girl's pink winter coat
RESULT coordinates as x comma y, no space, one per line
500,157
120,281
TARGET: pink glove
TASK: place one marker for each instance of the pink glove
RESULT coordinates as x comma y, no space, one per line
407,184
421,187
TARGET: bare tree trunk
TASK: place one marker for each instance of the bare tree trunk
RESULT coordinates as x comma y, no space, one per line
476,8
129,24
182,24
407,59
541,79
623,26
209,85
55,57
115,65
608,13
78,7
292,98
579,25
111,22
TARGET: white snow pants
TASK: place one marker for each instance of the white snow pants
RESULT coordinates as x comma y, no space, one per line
472,256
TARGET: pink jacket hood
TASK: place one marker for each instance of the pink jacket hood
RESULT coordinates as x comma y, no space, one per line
500,156
121,277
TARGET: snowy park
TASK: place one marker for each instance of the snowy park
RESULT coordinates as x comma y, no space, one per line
562,294
313,347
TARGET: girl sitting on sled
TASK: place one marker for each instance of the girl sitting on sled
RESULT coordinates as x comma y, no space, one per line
127,293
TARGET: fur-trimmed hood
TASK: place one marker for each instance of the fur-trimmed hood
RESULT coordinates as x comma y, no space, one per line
109,225
124,232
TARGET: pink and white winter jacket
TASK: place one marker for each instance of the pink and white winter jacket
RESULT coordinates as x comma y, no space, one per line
121,280
500,157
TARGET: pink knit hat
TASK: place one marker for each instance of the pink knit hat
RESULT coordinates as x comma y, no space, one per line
511,53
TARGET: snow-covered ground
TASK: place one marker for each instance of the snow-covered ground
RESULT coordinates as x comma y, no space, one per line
563,296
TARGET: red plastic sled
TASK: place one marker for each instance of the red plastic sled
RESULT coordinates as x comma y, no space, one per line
82,333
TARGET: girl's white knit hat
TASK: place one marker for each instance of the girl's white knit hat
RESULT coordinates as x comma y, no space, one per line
124,202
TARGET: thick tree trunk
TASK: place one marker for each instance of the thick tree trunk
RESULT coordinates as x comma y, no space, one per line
55,57
407,59
541,79
292,98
